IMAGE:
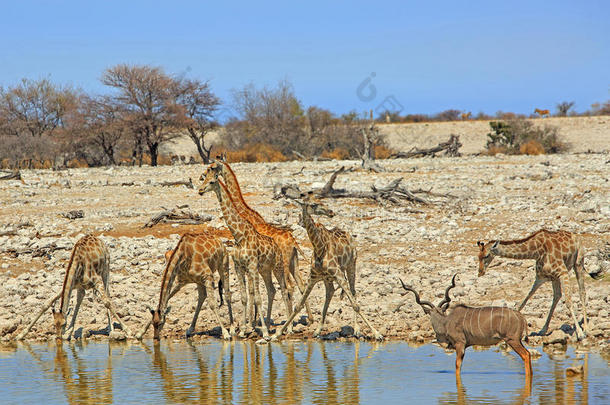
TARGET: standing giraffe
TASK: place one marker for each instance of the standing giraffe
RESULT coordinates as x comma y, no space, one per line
555,254
257,253
89,266
334,261
283,237
194,260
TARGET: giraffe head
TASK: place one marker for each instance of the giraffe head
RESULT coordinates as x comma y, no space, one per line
158,320
59,322
487,252
209,179
312,207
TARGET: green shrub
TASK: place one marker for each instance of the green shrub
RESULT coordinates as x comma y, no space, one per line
510,135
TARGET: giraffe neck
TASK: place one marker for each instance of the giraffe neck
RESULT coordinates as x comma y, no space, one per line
68,281
238,226
314,232
523,249
235,191
168,276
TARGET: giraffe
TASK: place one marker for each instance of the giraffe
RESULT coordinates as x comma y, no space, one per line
555,254
334,261
195,259
89,266
257,254
283,237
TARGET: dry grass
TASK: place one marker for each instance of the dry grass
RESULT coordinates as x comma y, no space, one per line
531,147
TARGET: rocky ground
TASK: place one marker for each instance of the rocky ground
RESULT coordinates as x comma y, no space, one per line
470,199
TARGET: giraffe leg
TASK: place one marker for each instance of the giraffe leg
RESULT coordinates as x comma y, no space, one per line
143,331
44,309
212,304
579,269
330,291
286,295
108,304
356,307
253,277
525,356
351,279
537,283
224,274
201,296
270,297
241,278
105,274
556,297
312,282
80,294
294,269
568,301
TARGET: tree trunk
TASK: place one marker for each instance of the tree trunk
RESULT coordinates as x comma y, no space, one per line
153,149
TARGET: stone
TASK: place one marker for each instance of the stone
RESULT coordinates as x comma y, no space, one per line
346,331
557,337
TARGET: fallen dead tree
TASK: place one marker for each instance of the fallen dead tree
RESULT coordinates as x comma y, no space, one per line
450,148
13,175
177,215
188,184
394,192
36,252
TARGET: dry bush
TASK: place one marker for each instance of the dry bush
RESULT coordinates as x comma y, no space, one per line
383,152
259,152
531,147
337,154
494,150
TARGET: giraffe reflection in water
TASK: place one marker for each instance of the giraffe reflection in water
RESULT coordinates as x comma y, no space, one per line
84,381
269,374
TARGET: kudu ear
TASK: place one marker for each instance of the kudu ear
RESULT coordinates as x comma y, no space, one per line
480,244
169,308
152,311
495,245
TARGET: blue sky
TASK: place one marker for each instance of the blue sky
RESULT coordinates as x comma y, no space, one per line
474,56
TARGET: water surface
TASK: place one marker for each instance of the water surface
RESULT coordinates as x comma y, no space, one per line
290,372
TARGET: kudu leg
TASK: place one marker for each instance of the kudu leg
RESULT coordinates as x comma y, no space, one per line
201,296
459,358
556,297
525,356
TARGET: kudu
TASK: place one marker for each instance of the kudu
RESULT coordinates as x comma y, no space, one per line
467,326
